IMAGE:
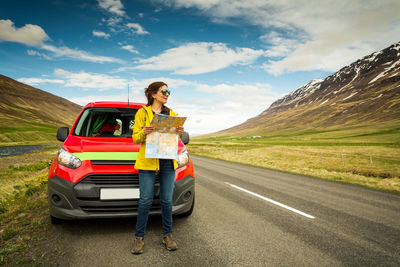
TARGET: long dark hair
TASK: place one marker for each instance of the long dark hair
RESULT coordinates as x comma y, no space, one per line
153,89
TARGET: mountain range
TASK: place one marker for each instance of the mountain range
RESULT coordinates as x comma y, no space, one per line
364,93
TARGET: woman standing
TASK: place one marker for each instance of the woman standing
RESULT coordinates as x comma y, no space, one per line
157,95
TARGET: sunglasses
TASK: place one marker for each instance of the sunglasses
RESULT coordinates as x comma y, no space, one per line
165,92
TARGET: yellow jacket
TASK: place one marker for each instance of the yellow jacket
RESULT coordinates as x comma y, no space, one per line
143,117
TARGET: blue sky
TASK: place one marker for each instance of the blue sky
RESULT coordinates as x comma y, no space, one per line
224,61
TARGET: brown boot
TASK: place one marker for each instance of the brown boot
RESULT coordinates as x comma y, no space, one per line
169,243
138,244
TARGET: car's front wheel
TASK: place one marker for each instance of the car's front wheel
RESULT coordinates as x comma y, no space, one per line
189,212
55,220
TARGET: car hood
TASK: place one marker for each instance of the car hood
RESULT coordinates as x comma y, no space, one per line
77,144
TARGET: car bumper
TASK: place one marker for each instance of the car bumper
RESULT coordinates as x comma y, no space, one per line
81,200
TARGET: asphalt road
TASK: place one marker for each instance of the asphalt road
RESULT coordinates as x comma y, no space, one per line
247,216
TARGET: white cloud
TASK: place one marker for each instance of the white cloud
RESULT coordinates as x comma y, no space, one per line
242,97
36,53
101,34
37,81
86,80
196,58
278,45
201,119
112,6
122,69
136,87
171,82
130,48
137,28
79,54
209,115
222,106
325,35
34,35
83,100
318,55
112,23
28,35
119,25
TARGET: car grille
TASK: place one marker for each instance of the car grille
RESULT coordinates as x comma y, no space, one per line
88,193
120,208
113,162
114,179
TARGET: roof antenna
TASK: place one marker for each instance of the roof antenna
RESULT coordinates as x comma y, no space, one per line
128,94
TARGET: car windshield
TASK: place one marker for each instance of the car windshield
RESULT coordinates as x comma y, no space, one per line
106,122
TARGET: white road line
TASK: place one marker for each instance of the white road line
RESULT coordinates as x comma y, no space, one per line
272,201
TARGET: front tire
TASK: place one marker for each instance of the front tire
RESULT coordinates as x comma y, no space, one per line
55,220
189,212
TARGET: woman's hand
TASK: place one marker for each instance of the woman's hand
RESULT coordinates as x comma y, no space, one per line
148,129
180,129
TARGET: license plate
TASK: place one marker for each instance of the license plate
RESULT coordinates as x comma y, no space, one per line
119,193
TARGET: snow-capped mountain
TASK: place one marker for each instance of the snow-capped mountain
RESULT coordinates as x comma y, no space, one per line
365,92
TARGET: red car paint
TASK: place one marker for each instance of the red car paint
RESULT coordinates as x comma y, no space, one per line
78,144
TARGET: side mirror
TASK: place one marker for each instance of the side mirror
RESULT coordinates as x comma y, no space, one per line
62,133
185,138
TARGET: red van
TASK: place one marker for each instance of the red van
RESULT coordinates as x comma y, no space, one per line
94,176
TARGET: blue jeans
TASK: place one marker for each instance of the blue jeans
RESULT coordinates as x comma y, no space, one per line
146,184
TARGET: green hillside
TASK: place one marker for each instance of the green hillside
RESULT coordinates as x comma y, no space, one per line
31,116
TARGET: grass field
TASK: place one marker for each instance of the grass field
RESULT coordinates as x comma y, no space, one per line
24,209
20,132
360,155
15,170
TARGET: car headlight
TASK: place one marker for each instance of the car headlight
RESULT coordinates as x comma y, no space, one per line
183,158
68,160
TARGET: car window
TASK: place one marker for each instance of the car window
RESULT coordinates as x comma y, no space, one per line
106,122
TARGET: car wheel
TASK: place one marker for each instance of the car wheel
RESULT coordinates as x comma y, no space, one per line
55,220
189,212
